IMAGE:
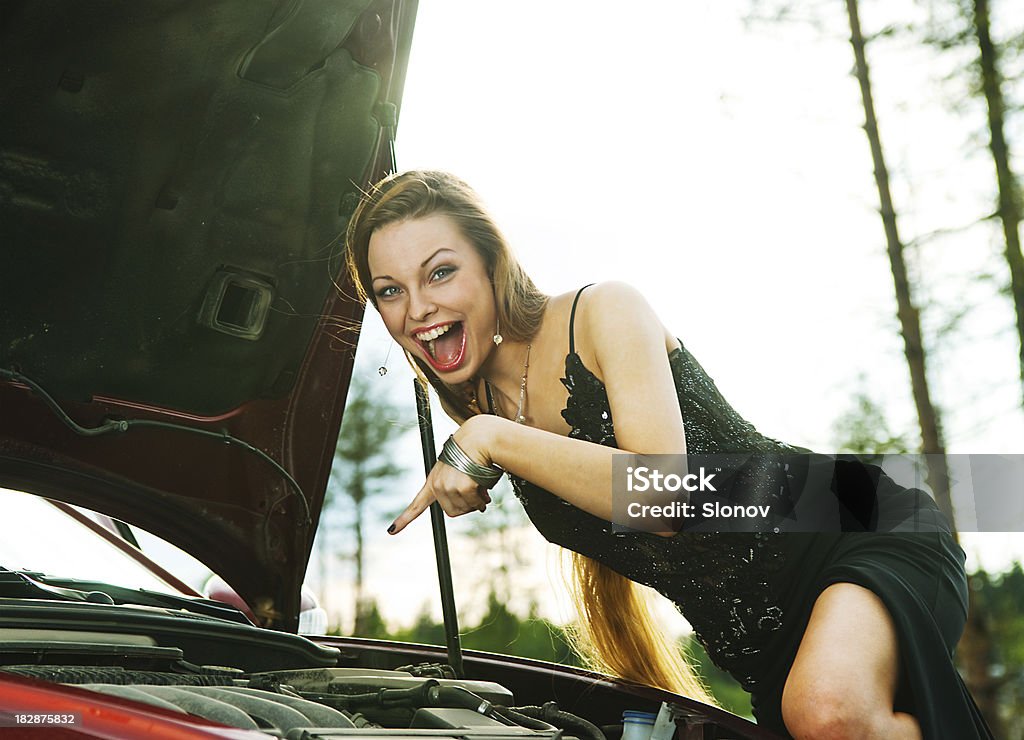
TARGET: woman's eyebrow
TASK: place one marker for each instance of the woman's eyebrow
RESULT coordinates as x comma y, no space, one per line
423,264
442,249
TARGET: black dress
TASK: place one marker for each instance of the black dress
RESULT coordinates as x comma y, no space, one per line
748,595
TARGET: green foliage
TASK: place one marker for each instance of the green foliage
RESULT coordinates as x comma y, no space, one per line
369,622
362,463
863,429
1000,599
498,631
1004,598
424,631
492,536
362,468
502,631
726,690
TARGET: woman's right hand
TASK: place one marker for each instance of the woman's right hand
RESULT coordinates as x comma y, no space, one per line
455,491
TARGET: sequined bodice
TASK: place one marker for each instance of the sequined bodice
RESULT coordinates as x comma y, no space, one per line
727,585
712,425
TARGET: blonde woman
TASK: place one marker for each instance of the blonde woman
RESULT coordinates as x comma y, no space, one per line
834,635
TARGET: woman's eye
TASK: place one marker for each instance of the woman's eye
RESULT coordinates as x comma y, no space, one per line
387,291
442,272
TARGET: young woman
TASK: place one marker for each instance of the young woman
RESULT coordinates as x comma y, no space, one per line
834,635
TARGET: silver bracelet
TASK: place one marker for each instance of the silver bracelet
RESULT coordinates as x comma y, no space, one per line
455,457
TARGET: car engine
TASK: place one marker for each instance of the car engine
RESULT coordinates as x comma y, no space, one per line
287,686
334,701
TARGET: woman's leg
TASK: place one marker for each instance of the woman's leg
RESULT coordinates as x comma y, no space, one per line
844,677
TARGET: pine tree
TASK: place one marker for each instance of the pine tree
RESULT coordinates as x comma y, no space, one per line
1009,209
363,466
907,312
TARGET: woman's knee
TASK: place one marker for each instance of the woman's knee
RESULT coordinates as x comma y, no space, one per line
838,686
829,713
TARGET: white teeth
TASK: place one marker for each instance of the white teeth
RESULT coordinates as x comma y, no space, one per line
428,336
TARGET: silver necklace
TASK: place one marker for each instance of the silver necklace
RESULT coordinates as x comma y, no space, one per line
522,388
519,418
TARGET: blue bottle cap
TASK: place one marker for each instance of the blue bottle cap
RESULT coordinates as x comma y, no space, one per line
640,718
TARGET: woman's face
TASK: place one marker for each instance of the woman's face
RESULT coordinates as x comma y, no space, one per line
434,294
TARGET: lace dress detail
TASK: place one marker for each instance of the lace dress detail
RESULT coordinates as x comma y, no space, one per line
727,585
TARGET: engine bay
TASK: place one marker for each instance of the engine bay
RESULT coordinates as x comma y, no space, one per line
287,686
318,703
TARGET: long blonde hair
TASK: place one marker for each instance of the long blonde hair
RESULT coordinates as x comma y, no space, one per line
617,633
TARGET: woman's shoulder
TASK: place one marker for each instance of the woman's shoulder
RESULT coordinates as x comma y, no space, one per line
607,292
601,306
608,317
609,309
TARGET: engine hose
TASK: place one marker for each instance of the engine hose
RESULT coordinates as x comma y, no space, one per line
429,670
428,694
516,717
548,719
417,696
456,696
360,720
552,714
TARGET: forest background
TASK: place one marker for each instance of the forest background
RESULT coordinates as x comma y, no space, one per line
848,292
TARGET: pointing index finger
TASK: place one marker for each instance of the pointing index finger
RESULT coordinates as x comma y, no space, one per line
419,504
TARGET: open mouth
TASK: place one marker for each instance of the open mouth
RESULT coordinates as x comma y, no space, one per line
444,345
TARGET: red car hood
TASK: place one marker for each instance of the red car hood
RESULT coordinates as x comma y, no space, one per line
174,175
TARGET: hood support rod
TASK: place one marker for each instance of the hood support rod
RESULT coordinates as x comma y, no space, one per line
444,563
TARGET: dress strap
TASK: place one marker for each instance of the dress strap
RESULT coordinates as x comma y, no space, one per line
490,399
572,319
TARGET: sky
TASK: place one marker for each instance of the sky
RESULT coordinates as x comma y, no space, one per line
718,163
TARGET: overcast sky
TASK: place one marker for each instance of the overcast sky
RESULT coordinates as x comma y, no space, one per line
721,167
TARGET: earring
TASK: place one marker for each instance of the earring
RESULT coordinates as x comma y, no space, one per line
497,338
383,369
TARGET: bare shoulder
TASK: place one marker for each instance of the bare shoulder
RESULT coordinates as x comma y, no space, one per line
616,306
616,317
603,300
615,289
600,307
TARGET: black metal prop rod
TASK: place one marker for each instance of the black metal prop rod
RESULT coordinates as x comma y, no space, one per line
444,561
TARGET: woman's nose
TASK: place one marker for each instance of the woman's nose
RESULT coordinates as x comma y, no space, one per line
420,306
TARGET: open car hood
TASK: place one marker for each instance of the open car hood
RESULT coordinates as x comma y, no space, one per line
174,176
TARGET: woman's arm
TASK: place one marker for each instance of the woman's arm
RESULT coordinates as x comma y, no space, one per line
629,347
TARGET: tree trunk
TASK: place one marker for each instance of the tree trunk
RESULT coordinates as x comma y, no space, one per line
910,322
358,497
975,646
1009,197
